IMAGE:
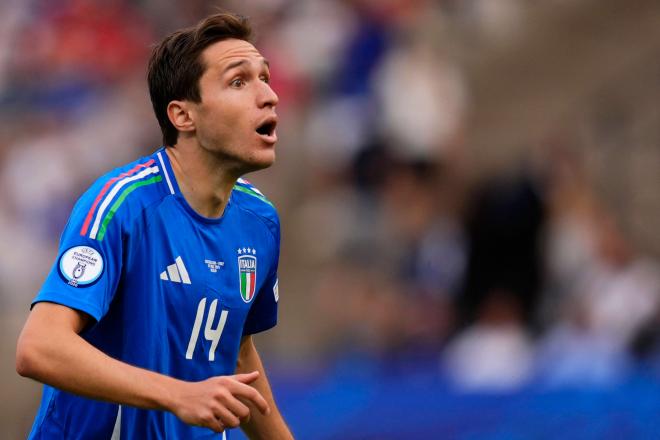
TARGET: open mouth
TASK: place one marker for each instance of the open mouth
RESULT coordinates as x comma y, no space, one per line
267,129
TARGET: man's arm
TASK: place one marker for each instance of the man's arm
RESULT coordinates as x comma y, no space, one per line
260,426
51,351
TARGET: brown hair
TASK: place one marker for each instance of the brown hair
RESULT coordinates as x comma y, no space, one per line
175,66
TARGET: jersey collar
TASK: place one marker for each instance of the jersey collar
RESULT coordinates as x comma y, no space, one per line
174,189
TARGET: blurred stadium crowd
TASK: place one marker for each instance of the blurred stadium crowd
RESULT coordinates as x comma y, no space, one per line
396,245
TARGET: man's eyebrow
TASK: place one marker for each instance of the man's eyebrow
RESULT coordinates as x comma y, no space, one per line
239,63
234,64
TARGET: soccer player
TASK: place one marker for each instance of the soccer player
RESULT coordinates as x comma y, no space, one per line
168,266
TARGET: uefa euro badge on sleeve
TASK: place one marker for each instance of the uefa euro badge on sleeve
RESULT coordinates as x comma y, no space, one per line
81,266
247,272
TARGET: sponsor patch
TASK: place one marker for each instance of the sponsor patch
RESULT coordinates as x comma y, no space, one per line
276,290
81,266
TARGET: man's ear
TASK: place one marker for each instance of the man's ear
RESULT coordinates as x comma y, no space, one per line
180,115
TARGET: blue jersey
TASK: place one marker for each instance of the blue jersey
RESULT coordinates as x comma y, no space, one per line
169,290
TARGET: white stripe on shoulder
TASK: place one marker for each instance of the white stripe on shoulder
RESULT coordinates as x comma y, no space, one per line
106,201
249,186
167,175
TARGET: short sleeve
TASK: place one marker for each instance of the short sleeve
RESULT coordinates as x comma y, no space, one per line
263,313
87,269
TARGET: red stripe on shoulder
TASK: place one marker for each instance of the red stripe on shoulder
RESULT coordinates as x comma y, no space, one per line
105,189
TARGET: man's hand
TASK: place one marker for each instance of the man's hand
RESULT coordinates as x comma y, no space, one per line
215,403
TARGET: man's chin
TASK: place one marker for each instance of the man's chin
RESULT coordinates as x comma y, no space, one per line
259,162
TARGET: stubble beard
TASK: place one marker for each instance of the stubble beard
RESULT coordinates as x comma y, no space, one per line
237,164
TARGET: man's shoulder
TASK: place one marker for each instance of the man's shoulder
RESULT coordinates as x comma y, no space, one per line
120,194
250,198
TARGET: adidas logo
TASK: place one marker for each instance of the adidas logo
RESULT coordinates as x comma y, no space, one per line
176,272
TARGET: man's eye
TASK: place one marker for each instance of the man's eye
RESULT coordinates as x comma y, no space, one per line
238,82
265,79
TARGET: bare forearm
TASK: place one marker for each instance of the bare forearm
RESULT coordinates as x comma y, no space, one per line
66,361
51,351
271,426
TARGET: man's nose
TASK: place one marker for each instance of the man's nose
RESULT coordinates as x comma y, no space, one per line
267,96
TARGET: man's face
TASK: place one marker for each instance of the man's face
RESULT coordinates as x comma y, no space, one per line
236,117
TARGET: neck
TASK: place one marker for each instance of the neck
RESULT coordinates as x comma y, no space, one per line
203,181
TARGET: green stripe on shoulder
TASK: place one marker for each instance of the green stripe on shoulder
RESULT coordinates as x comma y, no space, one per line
252,193
115,206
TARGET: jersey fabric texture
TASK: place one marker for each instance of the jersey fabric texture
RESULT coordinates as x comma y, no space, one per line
169,290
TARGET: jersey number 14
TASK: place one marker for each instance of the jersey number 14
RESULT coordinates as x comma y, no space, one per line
210,333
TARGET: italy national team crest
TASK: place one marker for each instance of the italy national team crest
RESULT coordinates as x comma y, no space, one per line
247,272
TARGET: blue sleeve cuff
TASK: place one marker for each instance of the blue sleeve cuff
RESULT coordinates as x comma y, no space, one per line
260,326
91,309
